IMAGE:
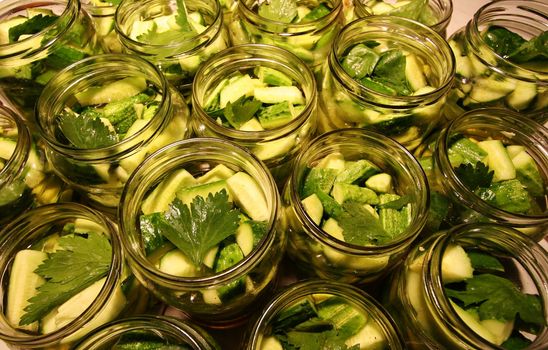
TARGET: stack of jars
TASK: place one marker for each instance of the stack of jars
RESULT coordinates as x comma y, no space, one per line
273,175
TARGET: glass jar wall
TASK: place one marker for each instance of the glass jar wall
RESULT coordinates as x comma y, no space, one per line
47,298
102,116
62,34
220,194
338,227
491,165
388,74
428,301
498,60
102,12
281,90
152,29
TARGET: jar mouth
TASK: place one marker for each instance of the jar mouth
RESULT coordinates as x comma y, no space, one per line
84,74
388,149
528,17
408,34
485,122
247,56
354,296
15,165
128,13
175,156
162,326
288,29
35,44
33,225
502,241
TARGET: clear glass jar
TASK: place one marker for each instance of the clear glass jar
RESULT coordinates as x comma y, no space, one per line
178,57
148,328
420,305
486,79
27,65
309,40
319,253
436,15
379,330
42,231
102,12
25,179
202,296
100,172
276,147
468,206
346,102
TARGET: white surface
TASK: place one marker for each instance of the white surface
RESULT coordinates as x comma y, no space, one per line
463,10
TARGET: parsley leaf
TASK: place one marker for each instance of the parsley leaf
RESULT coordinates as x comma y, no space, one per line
79,263
32,26
182,17
390,71
481,261
84,132
278,10
197,228
503,41
516,342
396,204
359,226
476,176
499,299
241,110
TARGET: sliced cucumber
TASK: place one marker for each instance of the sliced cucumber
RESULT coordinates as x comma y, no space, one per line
313,207
380,183
456,266
176,263
277,94
114,91
164,193
370,337
23,282
498,160
332,161
248,196
187,194
474,323
271,343
219,172
491,89
522,96
414,72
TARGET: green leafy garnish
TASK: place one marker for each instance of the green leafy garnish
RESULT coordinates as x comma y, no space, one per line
499,299
197,228
278,10
476,176
241,110
396,204
360,227
329,340
316,13
182,17
360,61
76,265
481,261
390,71
32,26
502,40
86,133
516,342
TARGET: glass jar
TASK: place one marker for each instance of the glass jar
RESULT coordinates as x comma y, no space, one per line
102,12
93,298
26,65
277,147
210,294
346,102
322,254
177,55
467,205
147,329
420,304
377,329
100,170
309,40
487,77
25,179
435,14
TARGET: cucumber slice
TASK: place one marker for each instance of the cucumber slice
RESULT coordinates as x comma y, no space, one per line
498,160
414,72
357,171
219,172
244,238
114,91
272,149
271,343
346,192
500,330
380,183
491,89
332,161
271,76
237,87
370,337
474,323
7,25
211,297
164,193
277,94
313,207
23,282
528,174
522,96
187,194
251,125
248,196
456,266
176,263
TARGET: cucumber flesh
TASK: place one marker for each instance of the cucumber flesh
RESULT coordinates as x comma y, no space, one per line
271,343
313,207
219,172
277,94
414,72
248,196
474,323
380,183
23,282
187,194
456,266
370,337
177,264
164,193
498,160
114,91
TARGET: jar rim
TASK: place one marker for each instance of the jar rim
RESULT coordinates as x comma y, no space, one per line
351,294
47,214
15,165
375,140
260,54
136,188
501,121
402,25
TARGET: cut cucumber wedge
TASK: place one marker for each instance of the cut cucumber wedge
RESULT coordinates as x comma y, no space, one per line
249,196
117,90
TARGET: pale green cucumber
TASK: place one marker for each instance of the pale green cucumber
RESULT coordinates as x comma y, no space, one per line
114,91
414,72
219,172
248,196
277,94
498,160
176,263
456,266
313,207
164,193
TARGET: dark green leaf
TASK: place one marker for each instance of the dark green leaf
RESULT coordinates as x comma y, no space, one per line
536,48
360,61
197,228
69,270
86,133
509,195
476,176
241,110
516,342
318,12
359,226
503,41
412,9
182,17
482,261
378,87
328,340
32,26
150,232
63,57
390,71
498,298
